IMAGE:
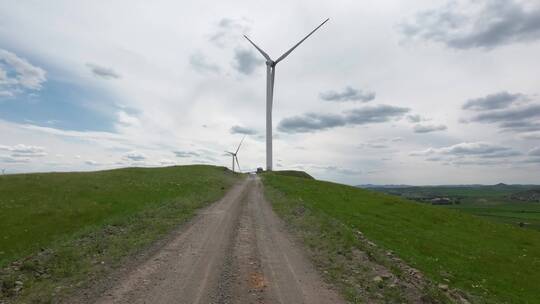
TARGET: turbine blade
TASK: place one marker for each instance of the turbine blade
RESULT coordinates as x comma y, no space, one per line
258,48
239,145
296,45
272,83
236,157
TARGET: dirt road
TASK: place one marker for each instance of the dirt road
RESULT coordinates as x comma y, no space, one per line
235,251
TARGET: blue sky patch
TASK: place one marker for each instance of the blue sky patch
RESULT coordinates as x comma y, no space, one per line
61,105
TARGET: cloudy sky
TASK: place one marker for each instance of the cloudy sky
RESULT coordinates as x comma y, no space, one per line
415,92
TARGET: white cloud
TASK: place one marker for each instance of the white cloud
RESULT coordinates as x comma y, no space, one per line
14,160
469,153
467,148
477,24
3,76
246,61
102,72
413,118
381,143
24,151
531,136
166,162
135,156
127,120
348,94
373,145
229,31
535,151
202,64
242,130
423,128
25,75
6,94
91,136
186,153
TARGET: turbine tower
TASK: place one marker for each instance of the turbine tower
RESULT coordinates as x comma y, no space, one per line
234,155
270,75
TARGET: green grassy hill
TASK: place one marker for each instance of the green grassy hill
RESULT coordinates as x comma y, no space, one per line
493,262
69,227
294,173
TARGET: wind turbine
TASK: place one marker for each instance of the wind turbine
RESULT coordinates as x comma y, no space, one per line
234,155
270,75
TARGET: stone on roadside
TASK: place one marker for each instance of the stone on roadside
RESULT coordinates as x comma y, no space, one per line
443,287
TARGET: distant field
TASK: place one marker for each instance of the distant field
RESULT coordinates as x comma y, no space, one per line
493,262
64,224
497,202
509,213
473,191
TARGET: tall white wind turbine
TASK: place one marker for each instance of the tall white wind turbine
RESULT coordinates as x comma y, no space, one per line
235,155
270,75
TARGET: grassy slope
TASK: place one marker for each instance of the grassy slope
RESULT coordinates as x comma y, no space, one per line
293,173
89,221
496,262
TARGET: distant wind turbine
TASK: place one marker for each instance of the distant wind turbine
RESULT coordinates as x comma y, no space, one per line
270,75
234,155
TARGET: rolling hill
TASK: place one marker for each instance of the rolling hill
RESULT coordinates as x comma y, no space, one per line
484,261
58,231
